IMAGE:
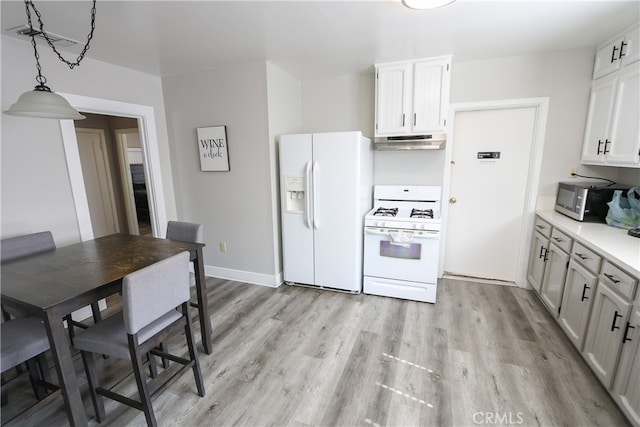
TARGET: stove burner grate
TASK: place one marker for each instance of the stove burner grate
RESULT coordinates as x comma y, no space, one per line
421,213
386,212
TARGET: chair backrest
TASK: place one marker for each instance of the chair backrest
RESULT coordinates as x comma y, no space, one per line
153,291
29,244
185,231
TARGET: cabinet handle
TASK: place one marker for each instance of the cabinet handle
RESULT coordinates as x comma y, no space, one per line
414,118
606,143
541,255
612,278
546,252
613,54
584,290
540,227
402,119
581,256
615,319
599,145
557,239
626,330
622,46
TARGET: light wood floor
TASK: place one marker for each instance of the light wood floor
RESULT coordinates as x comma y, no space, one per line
482,355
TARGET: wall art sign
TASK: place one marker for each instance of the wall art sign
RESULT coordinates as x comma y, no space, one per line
214,151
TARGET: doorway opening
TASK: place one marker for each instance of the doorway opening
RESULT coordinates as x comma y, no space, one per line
113,172
139,117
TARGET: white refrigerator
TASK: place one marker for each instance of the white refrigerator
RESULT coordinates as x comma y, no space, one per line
325,191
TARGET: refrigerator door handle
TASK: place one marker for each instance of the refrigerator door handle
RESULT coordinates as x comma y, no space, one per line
307,171
315,202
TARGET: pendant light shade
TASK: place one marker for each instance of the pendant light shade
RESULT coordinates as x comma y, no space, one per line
426,4
44,104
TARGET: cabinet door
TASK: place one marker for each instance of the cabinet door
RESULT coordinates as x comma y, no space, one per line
607,59
626,390
537,257
604,336
393,99
624,135
631,48
430,95
555,273
577,300
598,118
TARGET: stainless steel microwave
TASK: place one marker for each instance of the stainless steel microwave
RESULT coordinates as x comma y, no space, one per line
585,201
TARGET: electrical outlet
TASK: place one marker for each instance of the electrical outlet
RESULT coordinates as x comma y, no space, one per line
572,171
223,246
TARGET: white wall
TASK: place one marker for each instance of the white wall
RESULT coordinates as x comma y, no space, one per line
35,189
285,117
236,206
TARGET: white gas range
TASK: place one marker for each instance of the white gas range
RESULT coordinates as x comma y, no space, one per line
402,242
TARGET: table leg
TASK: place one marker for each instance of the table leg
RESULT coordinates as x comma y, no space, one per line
64,367
203,302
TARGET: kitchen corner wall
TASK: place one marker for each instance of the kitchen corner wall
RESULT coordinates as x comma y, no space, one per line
235,207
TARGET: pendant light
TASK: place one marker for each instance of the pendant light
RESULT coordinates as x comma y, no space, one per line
426,4
42,102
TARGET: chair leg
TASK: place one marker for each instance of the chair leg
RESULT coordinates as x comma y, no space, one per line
153,366
193,354
163,348
5,393
41,359
34,377
143,390
70,330
95,310
92,378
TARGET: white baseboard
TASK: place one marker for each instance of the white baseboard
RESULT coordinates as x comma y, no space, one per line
479,280
244,276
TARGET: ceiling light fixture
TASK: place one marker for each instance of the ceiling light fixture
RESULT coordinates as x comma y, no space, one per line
42,102
426,4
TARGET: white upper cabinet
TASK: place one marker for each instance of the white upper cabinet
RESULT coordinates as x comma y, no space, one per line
412,97
612,133
617,53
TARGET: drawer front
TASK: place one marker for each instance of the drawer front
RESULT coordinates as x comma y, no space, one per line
589,259
543,227
619,280
561,240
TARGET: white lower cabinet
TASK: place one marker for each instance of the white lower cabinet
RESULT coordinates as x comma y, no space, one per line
606,329
579,290
555,273
626,389
592,300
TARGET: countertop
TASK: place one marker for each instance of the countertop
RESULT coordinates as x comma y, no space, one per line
610,242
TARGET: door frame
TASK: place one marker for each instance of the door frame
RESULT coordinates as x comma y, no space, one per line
541,106
113,215
150,152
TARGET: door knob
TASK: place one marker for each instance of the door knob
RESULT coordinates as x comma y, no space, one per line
453,200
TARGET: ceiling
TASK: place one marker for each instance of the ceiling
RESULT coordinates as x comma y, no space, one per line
318,37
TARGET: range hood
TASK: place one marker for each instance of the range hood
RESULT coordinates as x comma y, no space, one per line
434,141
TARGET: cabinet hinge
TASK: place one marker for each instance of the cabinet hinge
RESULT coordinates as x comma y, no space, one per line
447,67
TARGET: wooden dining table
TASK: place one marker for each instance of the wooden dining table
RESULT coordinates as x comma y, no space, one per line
53,284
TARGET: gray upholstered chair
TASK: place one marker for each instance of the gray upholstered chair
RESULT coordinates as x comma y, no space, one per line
32,244
25,340
155,304
186,232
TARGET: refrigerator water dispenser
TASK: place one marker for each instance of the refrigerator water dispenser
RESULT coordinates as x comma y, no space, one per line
294,193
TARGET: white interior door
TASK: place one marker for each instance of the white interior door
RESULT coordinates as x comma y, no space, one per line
97,181
127,156
487,210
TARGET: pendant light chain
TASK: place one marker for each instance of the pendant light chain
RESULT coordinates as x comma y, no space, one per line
29,4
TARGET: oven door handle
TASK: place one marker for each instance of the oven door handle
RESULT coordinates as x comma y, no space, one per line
427,235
